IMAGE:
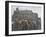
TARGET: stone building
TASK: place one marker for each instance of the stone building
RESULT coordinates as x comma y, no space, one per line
25,20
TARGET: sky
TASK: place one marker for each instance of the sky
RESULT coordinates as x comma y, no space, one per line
35,9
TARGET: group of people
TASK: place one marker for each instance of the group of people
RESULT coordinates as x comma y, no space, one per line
23,24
